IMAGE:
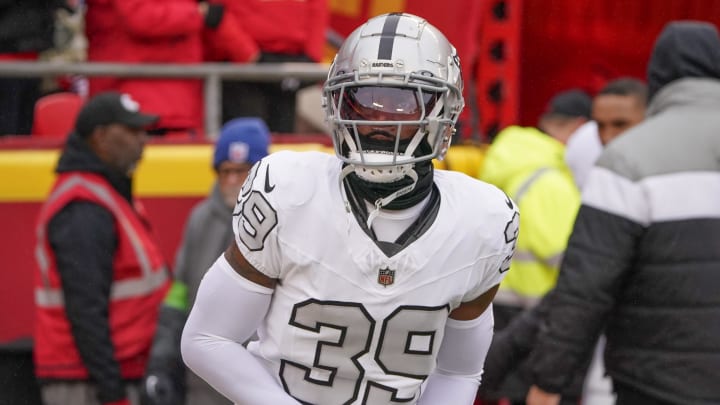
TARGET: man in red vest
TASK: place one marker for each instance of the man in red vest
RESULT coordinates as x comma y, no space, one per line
100,275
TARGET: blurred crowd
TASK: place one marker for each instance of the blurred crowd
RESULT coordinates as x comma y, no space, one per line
177,31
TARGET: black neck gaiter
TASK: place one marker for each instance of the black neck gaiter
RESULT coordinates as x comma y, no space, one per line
373,191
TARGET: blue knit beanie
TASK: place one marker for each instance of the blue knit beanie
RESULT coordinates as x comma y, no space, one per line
242,140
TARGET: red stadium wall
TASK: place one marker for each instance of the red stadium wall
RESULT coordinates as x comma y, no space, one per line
549,46
570,43
173,176
16,249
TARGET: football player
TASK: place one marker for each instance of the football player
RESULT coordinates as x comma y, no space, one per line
369,276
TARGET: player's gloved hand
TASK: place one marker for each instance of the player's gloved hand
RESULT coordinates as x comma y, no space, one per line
160,389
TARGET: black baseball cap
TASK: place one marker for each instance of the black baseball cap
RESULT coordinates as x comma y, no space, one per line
111,108
570,103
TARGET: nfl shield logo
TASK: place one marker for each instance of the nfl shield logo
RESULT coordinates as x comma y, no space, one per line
386,276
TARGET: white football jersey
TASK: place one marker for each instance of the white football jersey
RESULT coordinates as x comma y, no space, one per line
348,324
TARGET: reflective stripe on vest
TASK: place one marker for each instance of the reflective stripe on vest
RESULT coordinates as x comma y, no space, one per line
511,298
128,288
526,255
508,296
525,186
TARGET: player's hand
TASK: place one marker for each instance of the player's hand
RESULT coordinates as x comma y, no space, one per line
537,396
160,389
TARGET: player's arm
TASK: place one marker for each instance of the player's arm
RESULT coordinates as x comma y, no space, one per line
232,300
241,266
473,309
468,334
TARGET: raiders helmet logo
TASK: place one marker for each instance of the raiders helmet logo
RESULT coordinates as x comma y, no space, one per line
386,276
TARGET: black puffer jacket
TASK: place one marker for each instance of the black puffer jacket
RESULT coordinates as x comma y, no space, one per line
507,360
643,260
27,25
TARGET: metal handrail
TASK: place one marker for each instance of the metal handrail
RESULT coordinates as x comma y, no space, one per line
210,73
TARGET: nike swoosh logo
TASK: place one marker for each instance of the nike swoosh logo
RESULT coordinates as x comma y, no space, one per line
268,187
507,201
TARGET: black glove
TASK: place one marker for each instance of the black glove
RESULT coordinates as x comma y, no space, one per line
161,389
164,381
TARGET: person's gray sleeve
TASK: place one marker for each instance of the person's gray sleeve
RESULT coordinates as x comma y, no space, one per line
600,252
83,238
165,353
192,245
184,253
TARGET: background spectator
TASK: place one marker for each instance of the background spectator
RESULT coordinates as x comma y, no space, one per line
618,106
101,276
642,259
26,29
140,31
565,113
208,232
282,31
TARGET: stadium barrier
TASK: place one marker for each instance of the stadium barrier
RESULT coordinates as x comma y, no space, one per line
212,75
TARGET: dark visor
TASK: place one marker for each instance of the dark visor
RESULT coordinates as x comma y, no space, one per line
374,103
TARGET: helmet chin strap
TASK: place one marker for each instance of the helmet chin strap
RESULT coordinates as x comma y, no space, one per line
345,171
380,202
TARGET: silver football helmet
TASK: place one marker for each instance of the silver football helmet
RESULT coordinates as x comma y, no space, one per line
393,96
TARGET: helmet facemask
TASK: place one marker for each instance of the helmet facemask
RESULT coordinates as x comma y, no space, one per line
382,130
